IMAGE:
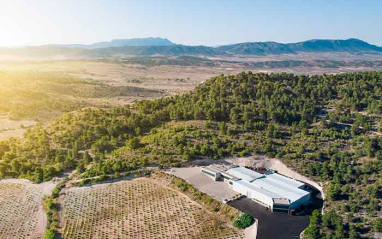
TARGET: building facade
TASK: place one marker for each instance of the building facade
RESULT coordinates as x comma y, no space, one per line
274,191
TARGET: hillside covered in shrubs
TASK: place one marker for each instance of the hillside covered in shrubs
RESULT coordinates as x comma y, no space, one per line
327,127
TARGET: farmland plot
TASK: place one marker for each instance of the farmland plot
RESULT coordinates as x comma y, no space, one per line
21,211
140,208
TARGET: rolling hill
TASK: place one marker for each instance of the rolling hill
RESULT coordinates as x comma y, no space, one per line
256,48
282,116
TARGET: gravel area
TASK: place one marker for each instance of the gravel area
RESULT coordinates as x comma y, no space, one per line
194,176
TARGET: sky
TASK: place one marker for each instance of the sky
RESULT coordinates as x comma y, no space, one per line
193,22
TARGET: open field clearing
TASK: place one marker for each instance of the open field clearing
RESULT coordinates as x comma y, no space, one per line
28,94
171,79
140,208
21,211
14,128
28,97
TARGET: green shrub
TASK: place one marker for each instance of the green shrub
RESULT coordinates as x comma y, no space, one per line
49,234
243,221
57,189
183,186
378,225
49,204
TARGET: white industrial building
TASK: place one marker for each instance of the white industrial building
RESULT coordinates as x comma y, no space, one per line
274,191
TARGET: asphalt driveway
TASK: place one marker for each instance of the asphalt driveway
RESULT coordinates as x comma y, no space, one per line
272,225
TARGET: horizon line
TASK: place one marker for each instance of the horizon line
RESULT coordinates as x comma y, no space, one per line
165,38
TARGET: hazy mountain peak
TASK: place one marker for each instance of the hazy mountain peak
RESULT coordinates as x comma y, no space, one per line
150,41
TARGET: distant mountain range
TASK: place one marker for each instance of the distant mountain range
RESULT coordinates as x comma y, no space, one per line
151,41
263,48
163,47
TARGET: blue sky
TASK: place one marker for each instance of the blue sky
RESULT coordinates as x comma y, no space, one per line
194,22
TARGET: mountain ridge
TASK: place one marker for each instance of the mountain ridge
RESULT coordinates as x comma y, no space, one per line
149,41
313,45
164,47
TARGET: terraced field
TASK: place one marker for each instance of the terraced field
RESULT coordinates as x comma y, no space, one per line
140,208
21,211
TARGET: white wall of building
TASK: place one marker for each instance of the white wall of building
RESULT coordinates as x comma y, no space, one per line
210,174
252,194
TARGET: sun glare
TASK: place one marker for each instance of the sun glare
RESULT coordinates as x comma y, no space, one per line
202,119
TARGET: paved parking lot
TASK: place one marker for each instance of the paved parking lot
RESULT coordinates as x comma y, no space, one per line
272,225
194,176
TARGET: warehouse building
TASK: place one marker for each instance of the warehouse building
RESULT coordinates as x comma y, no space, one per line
272,190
